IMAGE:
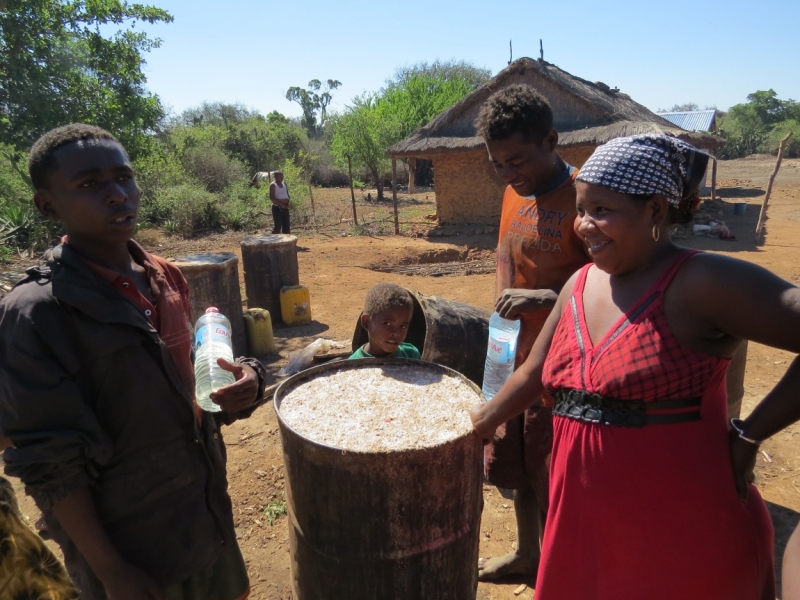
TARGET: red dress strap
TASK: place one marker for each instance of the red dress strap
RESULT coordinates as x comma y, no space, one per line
666,278
580,282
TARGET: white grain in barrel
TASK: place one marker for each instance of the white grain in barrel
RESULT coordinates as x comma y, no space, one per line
380,409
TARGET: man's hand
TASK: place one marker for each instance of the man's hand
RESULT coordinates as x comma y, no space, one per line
514,302
240,395
126,582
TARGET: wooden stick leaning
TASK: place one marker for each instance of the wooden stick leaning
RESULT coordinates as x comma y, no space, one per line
762,215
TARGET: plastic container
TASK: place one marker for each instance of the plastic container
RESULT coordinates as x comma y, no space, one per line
295,305
258,328
740,208
212,335
500,354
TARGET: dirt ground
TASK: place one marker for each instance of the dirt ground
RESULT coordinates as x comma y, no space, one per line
332,264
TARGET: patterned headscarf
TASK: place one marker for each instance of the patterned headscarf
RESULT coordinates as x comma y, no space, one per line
647,164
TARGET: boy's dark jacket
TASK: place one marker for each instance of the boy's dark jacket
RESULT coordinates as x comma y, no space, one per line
91,397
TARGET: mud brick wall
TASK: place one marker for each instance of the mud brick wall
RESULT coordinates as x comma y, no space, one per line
468,191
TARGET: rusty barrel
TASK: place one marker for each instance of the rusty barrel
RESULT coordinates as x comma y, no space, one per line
453,334
213,280
382,526
269,263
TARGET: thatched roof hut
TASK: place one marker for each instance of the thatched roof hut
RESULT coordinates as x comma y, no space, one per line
585,114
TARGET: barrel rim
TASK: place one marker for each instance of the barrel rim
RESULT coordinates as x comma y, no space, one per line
260,240
290,382
182,259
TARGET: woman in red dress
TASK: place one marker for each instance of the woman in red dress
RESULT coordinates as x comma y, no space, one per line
650,495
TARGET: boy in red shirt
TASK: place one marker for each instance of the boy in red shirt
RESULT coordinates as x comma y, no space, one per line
537,252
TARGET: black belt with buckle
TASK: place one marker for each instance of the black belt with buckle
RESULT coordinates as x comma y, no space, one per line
593,408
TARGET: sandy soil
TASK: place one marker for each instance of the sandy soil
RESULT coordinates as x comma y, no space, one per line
332,266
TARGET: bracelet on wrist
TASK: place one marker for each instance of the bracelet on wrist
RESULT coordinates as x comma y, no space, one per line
737,426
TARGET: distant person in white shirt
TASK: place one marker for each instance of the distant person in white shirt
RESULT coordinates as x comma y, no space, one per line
279,194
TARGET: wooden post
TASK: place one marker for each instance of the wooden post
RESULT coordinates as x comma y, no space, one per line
352,191
213,280
269,263
412,173
394,196
714,178
313,210
762,215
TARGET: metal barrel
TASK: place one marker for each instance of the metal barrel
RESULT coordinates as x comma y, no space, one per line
382,526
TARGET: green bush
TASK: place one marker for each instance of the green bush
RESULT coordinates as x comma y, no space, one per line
758,125
779,132
187,208
300,203
28,229
212,167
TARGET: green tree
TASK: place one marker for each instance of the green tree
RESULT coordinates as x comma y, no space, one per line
688,106
261,143
421,97
460,70
59,65
362,133
758,124
314,100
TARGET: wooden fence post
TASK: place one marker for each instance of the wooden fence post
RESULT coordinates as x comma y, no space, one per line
394,196
714,178
762,215
352,191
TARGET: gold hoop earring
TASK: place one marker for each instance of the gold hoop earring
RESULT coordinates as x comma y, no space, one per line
656,233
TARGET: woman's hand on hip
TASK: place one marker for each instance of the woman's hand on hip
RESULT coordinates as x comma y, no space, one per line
743,460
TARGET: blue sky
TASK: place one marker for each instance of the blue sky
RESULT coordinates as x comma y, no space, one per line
711,53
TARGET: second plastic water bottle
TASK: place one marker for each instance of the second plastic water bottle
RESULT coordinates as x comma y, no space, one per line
503,334
212,336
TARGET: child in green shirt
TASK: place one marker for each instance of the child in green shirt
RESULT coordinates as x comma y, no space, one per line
387,313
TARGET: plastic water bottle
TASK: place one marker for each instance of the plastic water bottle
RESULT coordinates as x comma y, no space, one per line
212,335
503,334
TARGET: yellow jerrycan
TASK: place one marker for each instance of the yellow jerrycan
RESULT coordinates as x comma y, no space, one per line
258,328
295,305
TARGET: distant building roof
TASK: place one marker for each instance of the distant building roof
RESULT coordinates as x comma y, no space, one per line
691,120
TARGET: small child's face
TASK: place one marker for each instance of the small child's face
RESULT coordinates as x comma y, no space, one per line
387,329
92,192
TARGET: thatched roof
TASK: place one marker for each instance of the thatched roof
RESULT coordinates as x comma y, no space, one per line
584,113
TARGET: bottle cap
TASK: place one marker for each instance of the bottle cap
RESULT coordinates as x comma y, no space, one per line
212,309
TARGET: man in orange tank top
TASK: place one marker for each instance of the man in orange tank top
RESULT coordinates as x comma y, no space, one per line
537,252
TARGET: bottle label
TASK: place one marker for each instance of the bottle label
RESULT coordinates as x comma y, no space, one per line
212,333
499,350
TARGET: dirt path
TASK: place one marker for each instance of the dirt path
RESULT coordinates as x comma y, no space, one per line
333,268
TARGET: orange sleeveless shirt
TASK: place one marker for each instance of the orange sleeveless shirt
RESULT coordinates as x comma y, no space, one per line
538,249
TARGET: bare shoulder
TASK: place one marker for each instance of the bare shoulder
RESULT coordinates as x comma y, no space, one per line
739,299
707,272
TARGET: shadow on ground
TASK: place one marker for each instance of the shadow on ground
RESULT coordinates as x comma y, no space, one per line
742,226
739,192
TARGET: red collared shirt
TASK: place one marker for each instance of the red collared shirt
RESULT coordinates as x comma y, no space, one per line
168,308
